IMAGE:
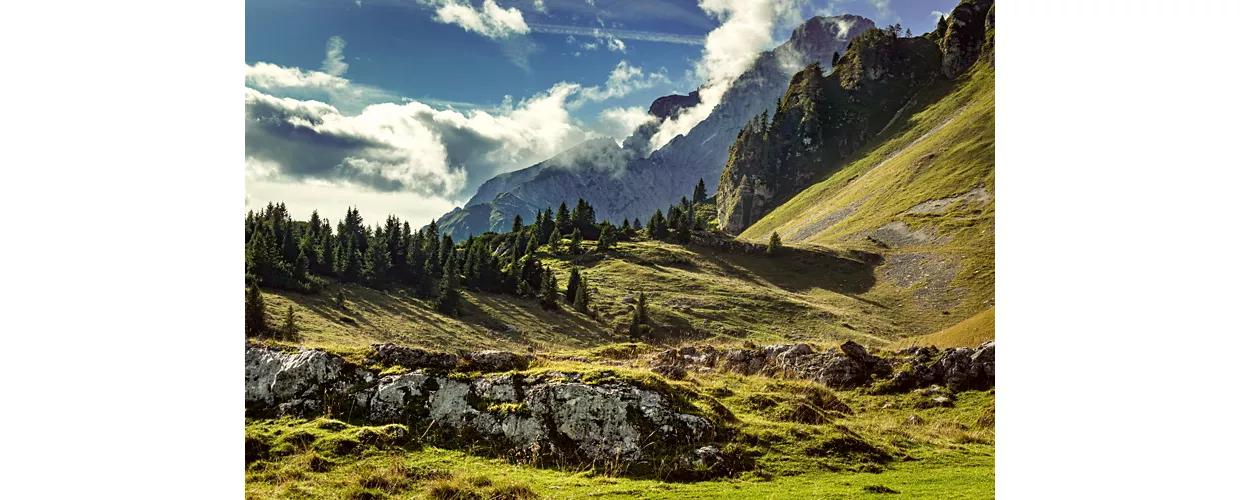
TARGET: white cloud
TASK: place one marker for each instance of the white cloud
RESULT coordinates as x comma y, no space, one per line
540,6
348,97
883,8
406,147
936,15
619,123
625,78
491,21
730,49
334,63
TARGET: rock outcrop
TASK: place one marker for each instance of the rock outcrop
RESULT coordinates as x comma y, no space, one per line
965,35
551,413
847,366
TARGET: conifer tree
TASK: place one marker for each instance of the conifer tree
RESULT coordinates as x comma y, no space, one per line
327,251
288,330
516,223
574,279
255,311
835,59
547,227
554,241
531,247
699,192
581,296
574,245
773,246
683,234
449,288
639,324
377,264
550,294
637,224
563,220
446,248
607,238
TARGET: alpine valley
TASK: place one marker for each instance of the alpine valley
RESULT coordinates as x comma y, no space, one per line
794,299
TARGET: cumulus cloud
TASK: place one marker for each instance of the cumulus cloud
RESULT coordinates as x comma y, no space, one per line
540,6
745,31
491,21
619,123
625,78
348,97
406,147
936,15
334,63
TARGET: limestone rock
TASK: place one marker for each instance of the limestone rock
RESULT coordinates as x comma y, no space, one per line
413,358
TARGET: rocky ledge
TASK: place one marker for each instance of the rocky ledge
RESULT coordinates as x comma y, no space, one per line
846,366
549,413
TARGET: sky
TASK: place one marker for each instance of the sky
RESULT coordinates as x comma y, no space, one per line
404,107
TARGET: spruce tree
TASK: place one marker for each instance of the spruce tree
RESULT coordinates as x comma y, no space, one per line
773,246
449,288
563,220
637,224
581,296
638,325
554,241
699,192
531,247
574,245
255,311
288,330
516,223
683,228
607,238
327,252
377,264
574,279
550,294
547,227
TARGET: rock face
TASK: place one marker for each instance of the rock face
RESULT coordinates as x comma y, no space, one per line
549,413
821,119
646,182
847,366
966,33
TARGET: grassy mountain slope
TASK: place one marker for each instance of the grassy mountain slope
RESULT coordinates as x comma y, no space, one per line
695,293
922,195
971,332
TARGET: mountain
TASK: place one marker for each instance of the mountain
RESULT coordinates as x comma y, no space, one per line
823,119
920,192
640,184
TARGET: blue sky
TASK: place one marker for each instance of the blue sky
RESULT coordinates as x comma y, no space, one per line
405,106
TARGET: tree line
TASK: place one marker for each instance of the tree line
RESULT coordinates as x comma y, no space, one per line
301,255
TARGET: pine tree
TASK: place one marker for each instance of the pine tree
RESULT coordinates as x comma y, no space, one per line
449,288
563,220
288,330
554,241
340,300
550,294
547,227
327,251
377,264
773,246
637,224
581,296
531,247
657,228
574,245
516,224
639,324
699,192
574,280
255,311
607,238
683,226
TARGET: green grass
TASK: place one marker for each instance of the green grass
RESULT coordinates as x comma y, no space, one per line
695,294
857,443
971,332
944,146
